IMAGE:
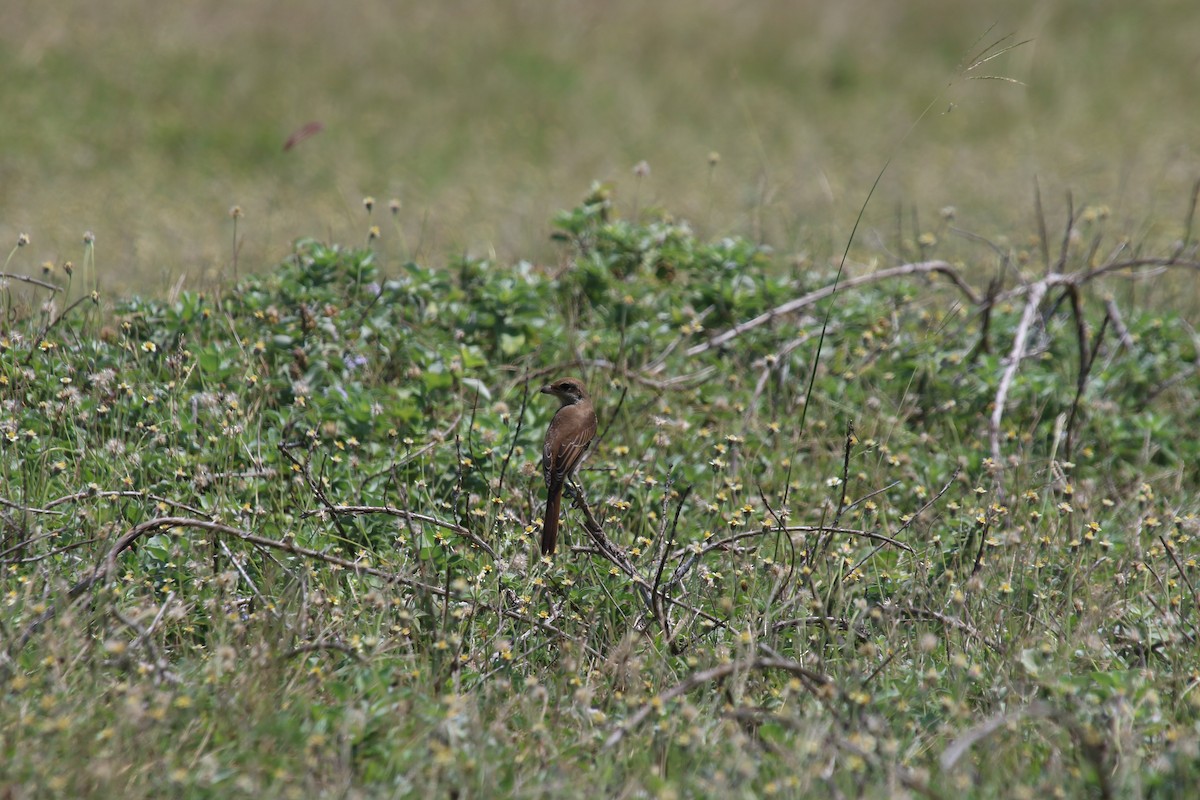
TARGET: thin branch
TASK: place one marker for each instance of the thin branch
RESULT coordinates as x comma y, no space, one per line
633,376
831,529
949,621
1036,292
617,557
25,509
516,435
910,521
1043,234
921,268
86,493
26,279
1189,221
814,680
316,647
405,514
104,572
1118,323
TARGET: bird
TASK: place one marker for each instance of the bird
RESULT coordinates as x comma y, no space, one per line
567,439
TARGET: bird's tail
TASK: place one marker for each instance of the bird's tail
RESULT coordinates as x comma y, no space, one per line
550,522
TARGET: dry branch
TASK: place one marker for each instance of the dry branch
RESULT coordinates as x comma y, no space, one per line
920,268
104,571
8,276
614,555
410,516
1036,292
813,680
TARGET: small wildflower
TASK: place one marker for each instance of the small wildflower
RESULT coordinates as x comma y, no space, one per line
641,169
22,239
235,212
394,205
369,203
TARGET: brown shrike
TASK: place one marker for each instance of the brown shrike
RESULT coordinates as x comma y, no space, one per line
567,439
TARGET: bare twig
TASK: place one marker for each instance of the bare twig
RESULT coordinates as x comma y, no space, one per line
86,493
9,276
910,521
617,557
724,543
410,516
1097,750
814,681
1189,221
103,572
947,620
1043,235
921,268
1170,548
633,376
25,509
1036,293
847,448
1118,323
515,436
324,644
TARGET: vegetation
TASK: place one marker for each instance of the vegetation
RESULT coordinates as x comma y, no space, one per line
918,518
281,540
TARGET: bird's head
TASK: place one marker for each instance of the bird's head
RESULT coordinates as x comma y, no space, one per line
567,390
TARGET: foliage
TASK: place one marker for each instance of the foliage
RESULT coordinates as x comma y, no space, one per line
330,475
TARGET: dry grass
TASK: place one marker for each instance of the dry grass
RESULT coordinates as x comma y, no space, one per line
145,123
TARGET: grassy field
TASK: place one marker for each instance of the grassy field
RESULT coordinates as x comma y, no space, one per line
281,541
146,124
923,526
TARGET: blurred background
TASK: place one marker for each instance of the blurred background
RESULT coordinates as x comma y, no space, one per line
145,122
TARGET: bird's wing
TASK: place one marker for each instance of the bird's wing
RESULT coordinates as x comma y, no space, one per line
561,455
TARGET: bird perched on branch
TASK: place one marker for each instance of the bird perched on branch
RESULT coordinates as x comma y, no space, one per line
567,439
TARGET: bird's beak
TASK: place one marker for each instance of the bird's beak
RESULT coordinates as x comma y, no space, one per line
546,389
